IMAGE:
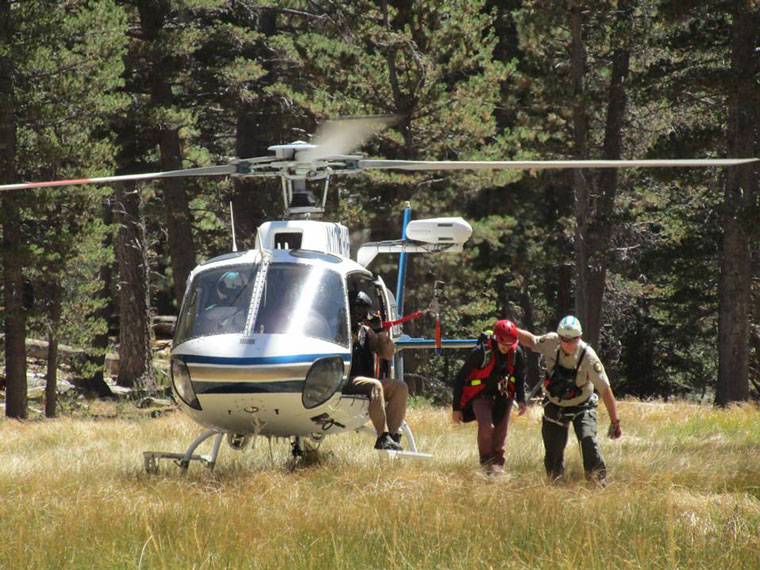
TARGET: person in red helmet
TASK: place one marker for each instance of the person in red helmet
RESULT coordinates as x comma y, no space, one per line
490,381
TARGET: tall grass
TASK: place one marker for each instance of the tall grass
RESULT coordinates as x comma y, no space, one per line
684,493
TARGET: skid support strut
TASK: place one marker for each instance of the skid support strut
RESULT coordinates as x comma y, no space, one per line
183,459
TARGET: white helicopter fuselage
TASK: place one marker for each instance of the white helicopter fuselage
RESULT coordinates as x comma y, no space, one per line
253,384
263,345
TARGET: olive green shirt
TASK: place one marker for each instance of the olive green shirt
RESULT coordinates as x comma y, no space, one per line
591,372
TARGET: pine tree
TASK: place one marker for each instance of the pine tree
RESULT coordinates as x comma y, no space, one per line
58,99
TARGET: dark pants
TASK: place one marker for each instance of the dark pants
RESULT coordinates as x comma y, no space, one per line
492,436
555,427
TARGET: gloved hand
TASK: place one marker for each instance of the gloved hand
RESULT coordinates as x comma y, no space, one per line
615,432
375,322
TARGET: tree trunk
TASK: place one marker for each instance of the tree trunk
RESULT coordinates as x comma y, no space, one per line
14,322
93,380
51,383
403,103
135,340
734,289
256,200
528,323
581,191
608,181
14,313
594,226
178,218
564,285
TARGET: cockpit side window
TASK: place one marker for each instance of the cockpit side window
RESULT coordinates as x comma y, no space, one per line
218,302
303,299
361,282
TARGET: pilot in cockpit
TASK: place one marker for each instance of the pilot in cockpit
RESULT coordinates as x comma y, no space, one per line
226,307
229,289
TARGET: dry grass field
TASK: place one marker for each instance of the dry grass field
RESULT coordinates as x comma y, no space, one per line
684,493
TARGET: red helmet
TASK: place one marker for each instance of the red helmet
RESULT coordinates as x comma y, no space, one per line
505,332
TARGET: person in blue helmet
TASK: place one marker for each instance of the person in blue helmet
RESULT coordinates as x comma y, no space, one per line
574,375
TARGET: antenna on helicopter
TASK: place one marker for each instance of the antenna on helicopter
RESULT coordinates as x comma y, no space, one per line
232,224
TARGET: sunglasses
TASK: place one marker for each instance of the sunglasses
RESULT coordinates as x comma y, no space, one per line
568,339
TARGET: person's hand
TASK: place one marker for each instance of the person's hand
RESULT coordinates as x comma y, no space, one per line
375,322
521,408
615,431
457,417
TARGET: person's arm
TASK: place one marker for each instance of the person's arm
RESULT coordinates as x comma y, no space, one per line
381,344
520,380
608,398
601,382
469,365
525,338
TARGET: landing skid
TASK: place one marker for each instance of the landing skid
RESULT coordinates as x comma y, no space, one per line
183,459
407,453
299,449
391,454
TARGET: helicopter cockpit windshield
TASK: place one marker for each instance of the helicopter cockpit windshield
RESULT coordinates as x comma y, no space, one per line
218,302
303,299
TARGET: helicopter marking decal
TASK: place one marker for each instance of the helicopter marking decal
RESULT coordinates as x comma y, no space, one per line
326,422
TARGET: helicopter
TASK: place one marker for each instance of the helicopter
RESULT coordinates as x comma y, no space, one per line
262,343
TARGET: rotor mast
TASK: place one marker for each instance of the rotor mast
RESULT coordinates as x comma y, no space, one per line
299,202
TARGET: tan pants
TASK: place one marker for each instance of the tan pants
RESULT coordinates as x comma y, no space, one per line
387,401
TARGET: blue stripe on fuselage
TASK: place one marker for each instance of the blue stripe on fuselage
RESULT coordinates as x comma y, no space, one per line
281,387
258,360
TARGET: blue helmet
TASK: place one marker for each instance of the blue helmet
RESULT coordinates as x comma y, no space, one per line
229,284
569,327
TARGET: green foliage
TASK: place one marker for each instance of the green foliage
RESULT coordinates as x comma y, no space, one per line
66,87
466,80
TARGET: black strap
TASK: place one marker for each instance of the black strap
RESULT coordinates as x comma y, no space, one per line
580,359
556,360
487,353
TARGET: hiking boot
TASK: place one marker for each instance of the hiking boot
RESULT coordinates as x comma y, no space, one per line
396,437
486,464
386,442
597,478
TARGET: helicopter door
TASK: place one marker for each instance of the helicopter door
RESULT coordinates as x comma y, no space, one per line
387,306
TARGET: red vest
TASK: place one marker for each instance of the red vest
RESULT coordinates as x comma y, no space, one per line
475,382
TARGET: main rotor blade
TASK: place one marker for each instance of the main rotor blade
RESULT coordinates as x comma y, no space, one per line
337,138
549,164
221,170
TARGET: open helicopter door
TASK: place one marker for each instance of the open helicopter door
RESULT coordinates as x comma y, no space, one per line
387,310
388,369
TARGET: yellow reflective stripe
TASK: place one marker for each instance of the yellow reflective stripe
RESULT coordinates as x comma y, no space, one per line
475,383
